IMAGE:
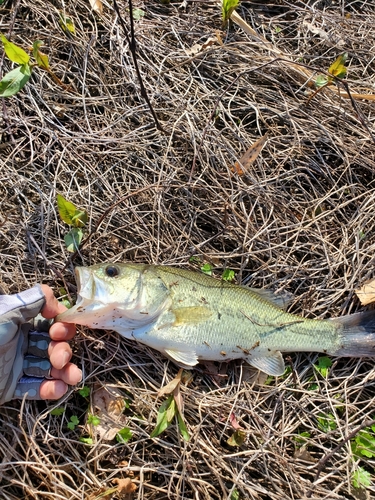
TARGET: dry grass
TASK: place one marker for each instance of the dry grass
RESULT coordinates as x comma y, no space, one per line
301,220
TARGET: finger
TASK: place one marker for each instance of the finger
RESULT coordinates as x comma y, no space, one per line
52,306
62,331
38,344
33,366
70,374
29,385
39,388
60,354
52,389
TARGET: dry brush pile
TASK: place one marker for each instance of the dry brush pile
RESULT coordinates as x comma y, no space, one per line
299,218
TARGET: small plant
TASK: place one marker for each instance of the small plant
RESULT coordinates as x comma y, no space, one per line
84,392
93,419
361,478
326,422
17,78
337,70
66,23
124,435
75,218
57,412
323,366
302,438
86,440
363,445
171,409
227,9
73,422
138,14
207,269
228,275
235,495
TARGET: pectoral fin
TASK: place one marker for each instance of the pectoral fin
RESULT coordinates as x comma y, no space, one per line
185,359
191,315
271,363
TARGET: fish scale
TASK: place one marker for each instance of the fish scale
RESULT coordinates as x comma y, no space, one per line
189,317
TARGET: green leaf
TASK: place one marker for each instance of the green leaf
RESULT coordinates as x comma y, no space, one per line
57,411
74,419
324,363
93,420
67,210
15,80
228,275
194,260
337,68
67,24
228,8
361,478
302,437
87,440
124,435
326,422
138,14
84,392
41,59
15,53
237,438
235,495
66,303
73,422
364,444
207,269
181,425
73,239
164,416
79,218
321,81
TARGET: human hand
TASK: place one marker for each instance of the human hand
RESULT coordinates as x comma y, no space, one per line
63,372
24,364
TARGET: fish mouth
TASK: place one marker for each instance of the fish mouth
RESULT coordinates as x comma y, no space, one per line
85,298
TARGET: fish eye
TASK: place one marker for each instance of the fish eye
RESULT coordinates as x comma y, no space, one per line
112,271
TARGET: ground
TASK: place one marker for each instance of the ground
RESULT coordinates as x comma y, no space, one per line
160,185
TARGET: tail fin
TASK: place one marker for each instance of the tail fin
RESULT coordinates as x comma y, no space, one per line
357,336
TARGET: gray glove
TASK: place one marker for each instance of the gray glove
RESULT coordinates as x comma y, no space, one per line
24,344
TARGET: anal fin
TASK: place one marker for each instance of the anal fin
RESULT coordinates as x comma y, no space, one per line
271,363
185,359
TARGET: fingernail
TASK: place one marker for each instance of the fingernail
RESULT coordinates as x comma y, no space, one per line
65,358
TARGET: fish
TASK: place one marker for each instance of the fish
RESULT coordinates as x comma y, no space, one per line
191,317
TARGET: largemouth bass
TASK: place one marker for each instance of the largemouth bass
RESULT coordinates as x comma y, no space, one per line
190,317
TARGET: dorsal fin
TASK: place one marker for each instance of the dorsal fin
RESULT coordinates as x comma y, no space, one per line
281,300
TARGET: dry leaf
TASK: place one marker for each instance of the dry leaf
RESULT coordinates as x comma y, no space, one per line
96,6
173,384
253,375
366,293
178,400
109,406
244,163
303,454
124,486
197,47
234,422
